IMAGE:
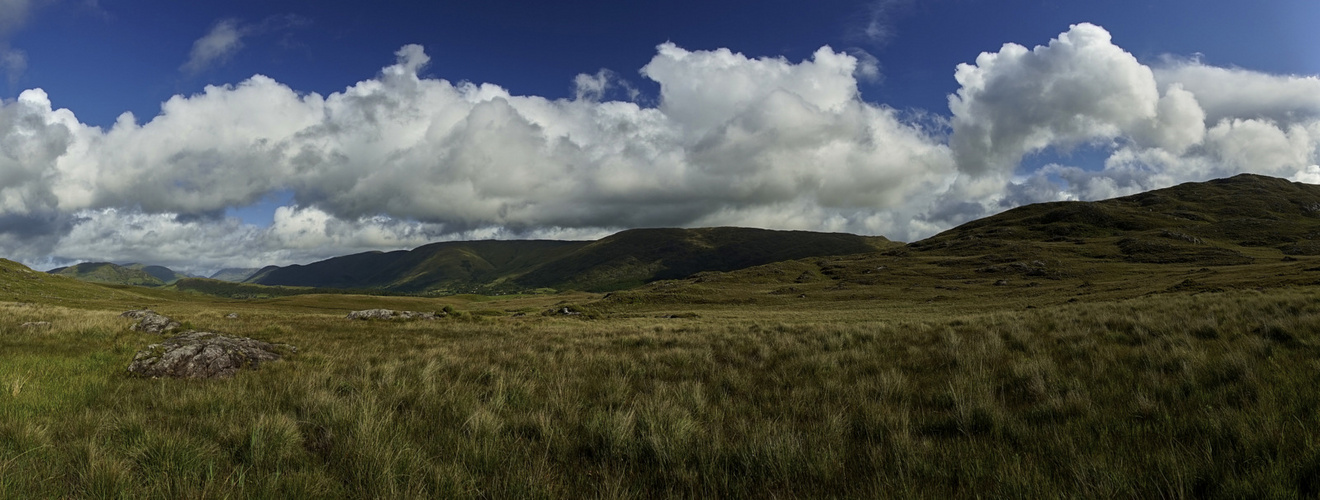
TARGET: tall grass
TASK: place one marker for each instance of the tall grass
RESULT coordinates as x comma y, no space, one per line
1210,395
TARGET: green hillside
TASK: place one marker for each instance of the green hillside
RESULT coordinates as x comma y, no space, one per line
110,274
229,289
625,259
235,274
638,256
1247,231
162,273
1220,222
18,283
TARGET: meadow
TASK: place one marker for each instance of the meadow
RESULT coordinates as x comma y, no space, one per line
1206,394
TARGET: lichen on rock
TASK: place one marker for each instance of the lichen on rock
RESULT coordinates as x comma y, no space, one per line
150,321
204,355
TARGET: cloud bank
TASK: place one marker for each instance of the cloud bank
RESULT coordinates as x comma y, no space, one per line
399,159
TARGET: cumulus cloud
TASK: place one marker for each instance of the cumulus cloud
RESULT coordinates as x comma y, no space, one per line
399,159
1159,125
1079,89
733,140
1235,93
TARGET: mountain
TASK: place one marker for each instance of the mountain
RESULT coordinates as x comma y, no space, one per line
20,284
162,273
234,274
107,273
638,256
1219,222
625,259
1243,232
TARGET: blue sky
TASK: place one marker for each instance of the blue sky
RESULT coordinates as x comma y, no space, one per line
363,133
100,59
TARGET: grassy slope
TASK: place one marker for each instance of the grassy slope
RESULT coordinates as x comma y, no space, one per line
110,274
234,274
445,266
634,257
898,375
1244,232
622,260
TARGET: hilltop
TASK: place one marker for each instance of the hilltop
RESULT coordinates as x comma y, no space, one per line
1248,231
164,274
110,274
20,284
622,260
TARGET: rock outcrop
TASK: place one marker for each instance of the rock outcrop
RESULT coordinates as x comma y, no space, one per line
151,322
137,313
204,355
388,314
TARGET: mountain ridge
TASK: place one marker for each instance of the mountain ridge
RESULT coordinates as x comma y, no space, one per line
621,260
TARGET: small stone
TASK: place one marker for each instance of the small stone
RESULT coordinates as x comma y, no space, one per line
1001,283
231,316
36,324
387,314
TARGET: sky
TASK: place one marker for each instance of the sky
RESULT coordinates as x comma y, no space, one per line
209,134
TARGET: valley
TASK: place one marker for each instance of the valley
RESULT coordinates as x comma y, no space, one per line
1158,345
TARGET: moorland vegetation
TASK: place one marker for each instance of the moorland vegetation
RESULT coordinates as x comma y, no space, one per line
1163,345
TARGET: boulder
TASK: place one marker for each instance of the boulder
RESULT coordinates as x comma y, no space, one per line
156,323
137,313
388,314
198,354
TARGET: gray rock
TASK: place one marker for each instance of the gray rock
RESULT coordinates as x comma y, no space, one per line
231,316
156,323
36,324
197,354
137,313
387,314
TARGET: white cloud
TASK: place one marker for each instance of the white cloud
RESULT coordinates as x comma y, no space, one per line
1175,122
217,46
734,139
1079,89
1235,93
1310,175
399,159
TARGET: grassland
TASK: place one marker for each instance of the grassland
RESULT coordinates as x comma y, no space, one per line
1165,345
1177,394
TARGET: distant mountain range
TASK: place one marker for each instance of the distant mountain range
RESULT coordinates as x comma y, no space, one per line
141,274
1236,221
235,274
114,274
622,260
